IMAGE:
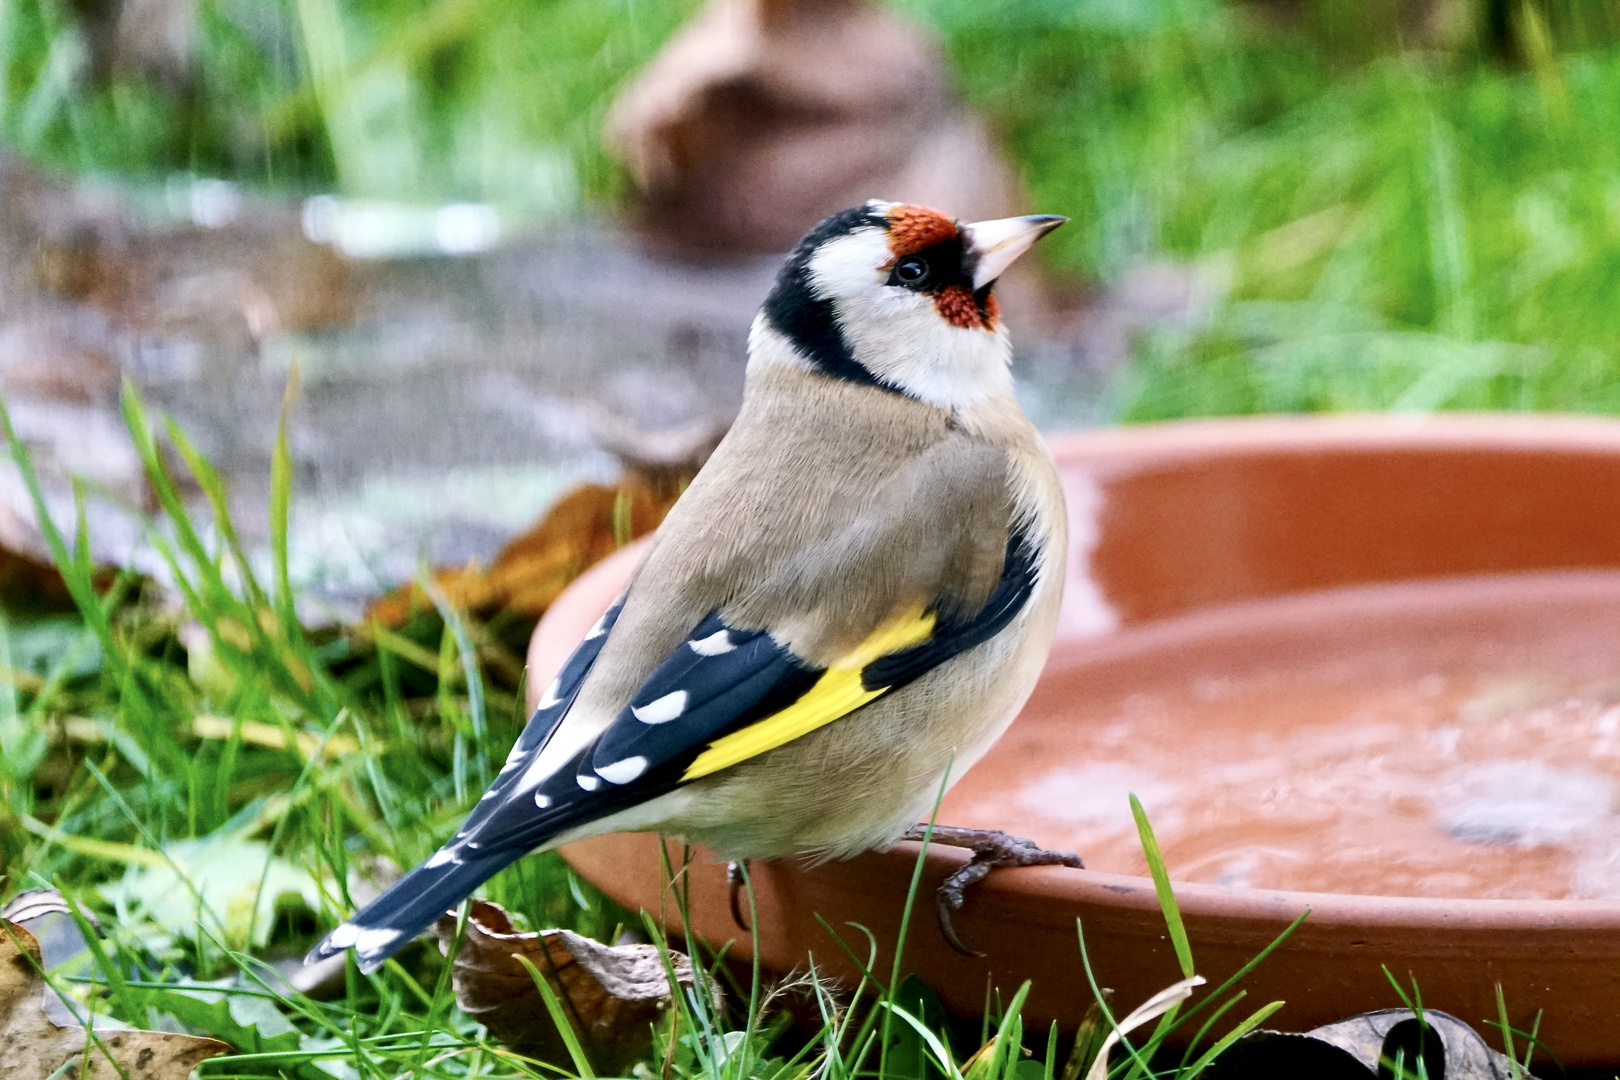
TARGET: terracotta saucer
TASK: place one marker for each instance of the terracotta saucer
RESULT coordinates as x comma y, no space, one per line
1188,520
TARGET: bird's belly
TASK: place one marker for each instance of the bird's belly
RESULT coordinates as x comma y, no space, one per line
861,781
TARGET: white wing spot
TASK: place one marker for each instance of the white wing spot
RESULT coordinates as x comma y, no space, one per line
542,800
716,644
490,794
622,772
551,698
371,941
343,936
598,626
661,710
589,783
440,857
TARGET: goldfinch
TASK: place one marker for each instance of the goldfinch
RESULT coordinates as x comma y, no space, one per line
853,597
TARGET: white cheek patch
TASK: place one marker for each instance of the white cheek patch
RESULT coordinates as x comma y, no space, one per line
899,335
850,265
907,343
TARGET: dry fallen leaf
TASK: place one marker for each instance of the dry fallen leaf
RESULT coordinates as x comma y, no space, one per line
33,1047
1354,1049
614,993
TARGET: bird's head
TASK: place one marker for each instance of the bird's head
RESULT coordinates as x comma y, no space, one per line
899,296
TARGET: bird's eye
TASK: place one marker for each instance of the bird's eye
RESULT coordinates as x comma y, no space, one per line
910,271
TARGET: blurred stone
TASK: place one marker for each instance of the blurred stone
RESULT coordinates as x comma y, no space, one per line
760,117
222,267
59,353
445,403
666,459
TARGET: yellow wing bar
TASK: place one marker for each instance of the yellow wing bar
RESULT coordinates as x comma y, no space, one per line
837,693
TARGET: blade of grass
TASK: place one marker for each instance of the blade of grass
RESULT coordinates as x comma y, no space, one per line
1507,1034
281,511
1248,1024
905,915
1161,885
565,1028
214,488
1173,926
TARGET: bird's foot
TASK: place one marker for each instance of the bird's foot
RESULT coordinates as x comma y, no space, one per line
991,849
736,878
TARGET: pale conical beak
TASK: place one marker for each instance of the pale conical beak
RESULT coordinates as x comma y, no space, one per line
994,245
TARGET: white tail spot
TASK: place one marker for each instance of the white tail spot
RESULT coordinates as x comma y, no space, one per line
371,941
589,783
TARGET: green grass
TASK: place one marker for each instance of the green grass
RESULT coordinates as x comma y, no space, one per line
1372,227
493,100
210,852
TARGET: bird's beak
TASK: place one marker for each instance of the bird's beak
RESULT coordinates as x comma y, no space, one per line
994,245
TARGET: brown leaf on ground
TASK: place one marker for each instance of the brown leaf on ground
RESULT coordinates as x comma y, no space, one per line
583,527
1365,1048
613,993
29,584
32,1046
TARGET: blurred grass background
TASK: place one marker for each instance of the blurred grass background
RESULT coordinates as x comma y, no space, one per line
1392,204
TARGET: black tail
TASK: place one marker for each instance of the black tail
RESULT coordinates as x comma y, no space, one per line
411,905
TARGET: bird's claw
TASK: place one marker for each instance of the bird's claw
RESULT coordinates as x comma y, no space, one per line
735,879
991,849
948,901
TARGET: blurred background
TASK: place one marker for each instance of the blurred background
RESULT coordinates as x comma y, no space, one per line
509,246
